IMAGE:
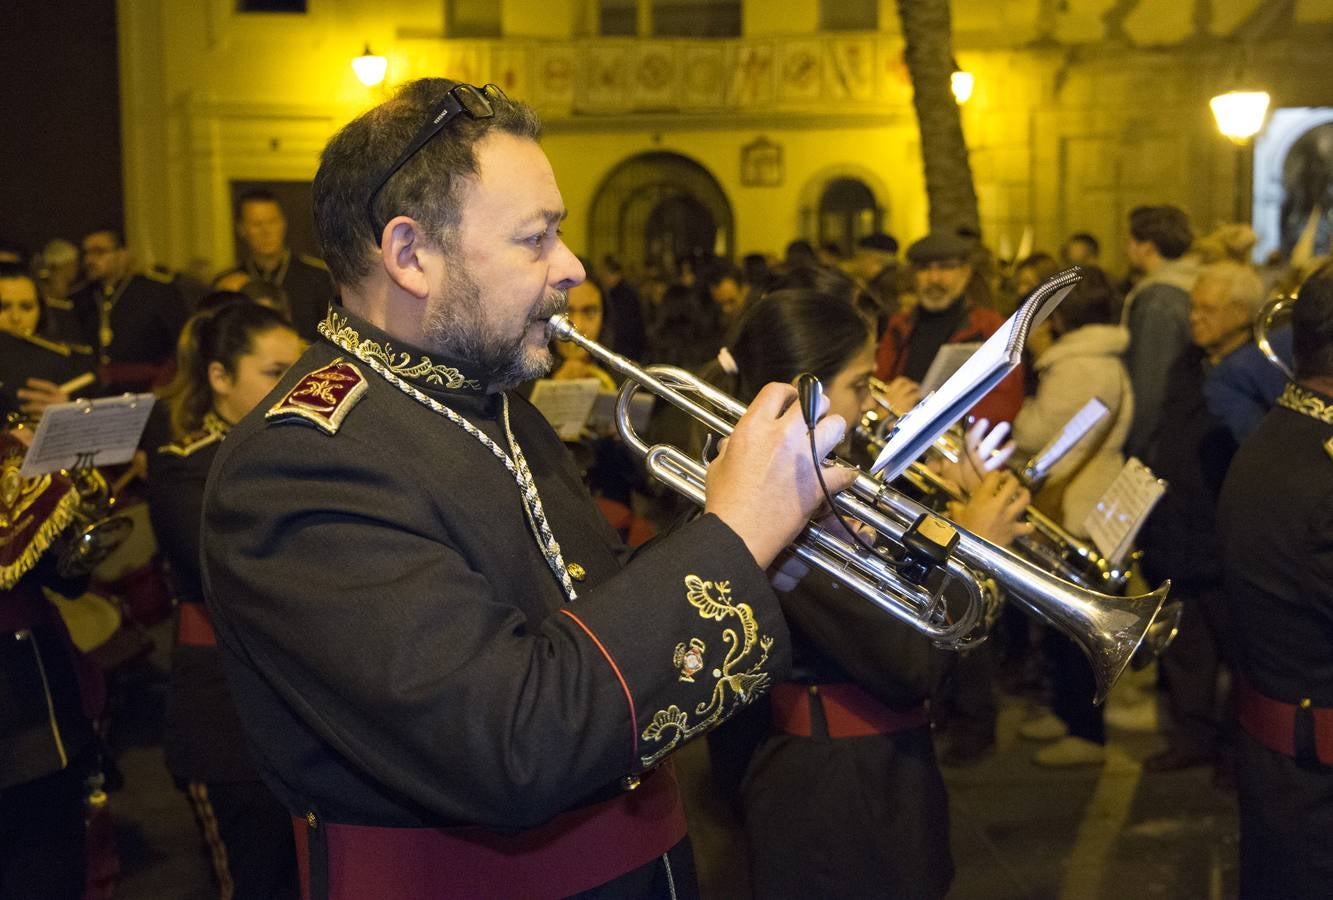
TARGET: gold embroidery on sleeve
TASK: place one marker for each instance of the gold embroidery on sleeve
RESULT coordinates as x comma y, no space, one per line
735,686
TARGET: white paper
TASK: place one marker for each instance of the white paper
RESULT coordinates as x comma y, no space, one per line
566,403
1066,438
949,360
982,371
1114,522
87,433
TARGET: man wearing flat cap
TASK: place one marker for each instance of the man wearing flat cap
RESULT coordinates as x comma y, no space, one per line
941,271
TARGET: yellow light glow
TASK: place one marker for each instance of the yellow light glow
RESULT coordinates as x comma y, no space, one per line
370,68
1240,114
961,82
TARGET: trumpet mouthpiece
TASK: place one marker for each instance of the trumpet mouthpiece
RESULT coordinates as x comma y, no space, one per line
558,327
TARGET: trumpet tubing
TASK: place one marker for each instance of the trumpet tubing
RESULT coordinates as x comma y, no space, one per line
1107,628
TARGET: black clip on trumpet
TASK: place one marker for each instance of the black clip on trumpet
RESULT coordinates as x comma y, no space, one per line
931,539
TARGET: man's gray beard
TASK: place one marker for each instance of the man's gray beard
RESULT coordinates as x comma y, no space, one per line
456,327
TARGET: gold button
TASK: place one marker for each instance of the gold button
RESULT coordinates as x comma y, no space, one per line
311,820
630,782
814,690
576,571
1305,703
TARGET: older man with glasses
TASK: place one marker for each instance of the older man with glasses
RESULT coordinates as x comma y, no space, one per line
456,679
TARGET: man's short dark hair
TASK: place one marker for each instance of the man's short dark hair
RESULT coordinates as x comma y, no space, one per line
1312,325
426,188
117,235
1082,237
257,195
1165,227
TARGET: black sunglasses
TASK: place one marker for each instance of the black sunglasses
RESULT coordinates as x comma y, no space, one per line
463,99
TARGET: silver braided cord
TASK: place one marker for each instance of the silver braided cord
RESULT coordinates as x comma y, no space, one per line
517,465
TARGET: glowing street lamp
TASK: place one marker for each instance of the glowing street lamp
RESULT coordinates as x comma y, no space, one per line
1240,114
961,82
370,68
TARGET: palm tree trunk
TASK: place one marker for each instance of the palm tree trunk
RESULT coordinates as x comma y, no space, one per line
929,54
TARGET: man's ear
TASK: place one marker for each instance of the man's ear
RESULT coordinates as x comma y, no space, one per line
408,257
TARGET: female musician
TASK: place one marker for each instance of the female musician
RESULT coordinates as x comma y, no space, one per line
35,371
843,796
229,357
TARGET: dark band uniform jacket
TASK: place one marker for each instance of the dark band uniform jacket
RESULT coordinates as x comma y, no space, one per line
204,739
1276,524
134,327
30,356
305,283
406,661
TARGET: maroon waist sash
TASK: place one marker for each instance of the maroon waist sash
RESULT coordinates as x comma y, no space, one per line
849,711
575,851
1273,722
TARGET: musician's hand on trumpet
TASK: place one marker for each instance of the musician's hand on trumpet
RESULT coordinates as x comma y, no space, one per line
984,451
762,483
994,511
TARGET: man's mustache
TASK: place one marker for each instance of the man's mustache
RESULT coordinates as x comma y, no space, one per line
555,302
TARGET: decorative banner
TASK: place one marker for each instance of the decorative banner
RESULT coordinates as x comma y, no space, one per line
800,71
751,75
554,84
604,83
655,81
509,69
852,68
895,82
704,72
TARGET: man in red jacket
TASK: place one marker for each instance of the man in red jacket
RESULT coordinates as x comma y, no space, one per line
942,316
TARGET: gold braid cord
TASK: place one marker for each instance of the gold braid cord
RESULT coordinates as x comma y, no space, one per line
739,679
1298,399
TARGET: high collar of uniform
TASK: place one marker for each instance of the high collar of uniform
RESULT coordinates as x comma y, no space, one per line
433,374
1307,402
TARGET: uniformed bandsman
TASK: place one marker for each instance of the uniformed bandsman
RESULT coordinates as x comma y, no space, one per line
131,319
230,356
1276,523
34,370
304,280
452,672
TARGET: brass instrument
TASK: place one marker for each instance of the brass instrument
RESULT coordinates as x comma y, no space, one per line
96,530
1107,628
1277,308
1049,545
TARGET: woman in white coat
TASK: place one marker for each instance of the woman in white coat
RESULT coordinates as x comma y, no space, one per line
1084,360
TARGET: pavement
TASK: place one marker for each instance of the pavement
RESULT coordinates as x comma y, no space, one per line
1019,831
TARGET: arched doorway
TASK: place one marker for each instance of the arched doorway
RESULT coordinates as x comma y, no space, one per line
1293,190
847,213
659,207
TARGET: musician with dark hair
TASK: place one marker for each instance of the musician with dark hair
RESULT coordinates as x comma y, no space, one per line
1276,523
456,679
842,796
229,357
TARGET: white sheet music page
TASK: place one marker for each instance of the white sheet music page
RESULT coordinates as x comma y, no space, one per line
1114,522
1073,431
565,403
983,370
87,433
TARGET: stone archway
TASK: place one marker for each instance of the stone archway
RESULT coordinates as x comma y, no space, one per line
659,207
1286,129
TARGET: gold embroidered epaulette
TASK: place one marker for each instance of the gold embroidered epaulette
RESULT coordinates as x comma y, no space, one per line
160,277
312,261
323,398
53,346
191,443
59,303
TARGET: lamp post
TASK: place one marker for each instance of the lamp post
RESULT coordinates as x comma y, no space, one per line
1240,116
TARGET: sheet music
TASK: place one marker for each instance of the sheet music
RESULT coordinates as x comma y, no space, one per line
983,370
1073,431
948,360
566,403
1115,521
87,433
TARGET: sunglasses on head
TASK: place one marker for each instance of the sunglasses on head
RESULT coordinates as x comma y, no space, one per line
461,100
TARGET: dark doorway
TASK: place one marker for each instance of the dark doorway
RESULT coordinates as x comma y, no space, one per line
297,204
660,207
847,213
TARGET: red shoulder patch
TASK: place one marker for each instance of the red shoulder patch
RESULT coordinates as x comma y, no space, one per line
323,398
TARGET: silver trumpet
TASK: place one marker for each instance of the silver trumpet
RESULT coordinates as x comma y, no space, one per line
1107,628
1050,545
